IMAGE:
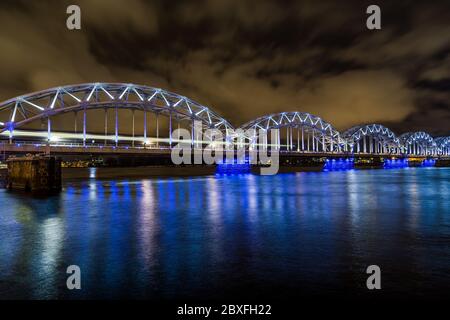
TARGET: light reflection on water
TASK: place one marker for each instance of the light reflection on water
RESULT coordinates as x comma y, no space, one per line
225,236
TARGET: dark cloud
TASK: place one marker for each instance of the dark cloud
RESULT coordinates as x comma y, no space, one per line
245,58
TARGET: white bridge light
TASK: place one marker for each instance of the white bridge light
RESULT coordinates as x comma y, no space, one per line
32,104
165,100
123,93
14,113
198,113
189,107
90,94
54,100
178,102
76,98
153,95
140,97
109,94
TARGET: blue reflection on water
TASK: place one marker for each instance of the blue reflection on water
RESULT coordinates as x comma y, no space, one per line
339,164
429,163
233,168
247,235
395,163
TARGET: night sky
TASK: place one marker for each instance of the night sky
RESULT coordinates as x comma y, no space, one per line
245,59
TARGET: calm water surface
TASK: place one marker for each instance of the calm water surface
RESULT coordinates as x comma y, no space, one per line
221,237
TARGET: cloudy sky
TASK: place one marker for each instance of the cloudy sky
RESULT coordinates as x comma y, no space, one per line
244,58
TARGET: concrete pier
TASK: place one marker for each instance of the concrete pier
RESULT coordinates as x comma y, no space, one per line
34,173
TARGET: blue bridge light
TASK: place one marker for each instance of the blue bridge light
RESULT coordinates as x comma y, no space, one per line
234,166
428,163
395,163
338,164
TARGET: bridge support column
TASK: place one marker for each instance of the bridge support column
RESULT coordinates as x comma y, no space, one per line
264,140
157,131
307,141
49,130
116,127
279,139
145,127
303,140
291,132
76,120
106,126
192,133
178,126
84,127
132,142
34,173
170,129
289,139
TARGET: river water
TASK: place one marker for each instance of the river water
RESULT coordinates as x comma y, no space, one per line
232,236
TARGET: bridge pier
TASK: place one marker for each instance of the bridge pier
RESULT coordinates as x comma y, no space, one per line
38,174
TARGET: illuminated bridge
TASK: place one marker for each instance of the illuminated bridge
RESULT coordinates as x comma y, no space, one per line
130,118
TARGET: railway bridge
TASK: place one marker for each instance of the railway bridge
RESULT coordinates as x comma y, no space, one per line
138,120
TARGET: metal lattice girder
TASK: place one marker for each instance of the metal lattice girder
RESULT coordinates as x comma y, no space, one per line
443,145
419,137
19,111
296,120
442,142
379,131
50,102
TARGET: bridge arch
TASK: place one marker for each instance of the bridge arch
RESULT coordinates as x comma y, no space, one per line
418,143
372,138
304,132
17,112
443,145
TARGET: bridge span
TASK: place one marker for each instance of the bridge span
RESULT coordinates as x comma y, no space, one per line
120,118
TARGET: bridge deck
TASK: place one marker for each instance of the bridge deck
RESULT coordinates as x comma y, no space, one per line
6,148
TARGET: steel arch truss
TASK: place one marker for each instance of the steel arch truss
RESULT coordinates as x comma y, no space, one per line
372,138
418,143
47,103
312,132
443,145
